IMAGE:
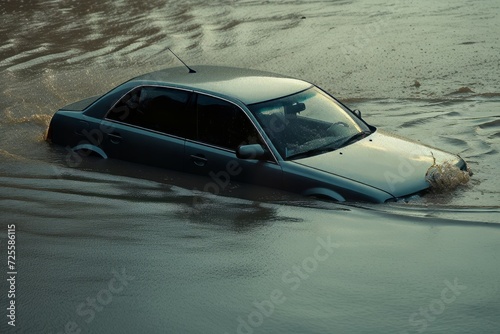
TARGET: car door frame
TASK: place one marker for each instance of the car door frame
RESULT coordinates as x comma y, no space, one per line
158,140
230,169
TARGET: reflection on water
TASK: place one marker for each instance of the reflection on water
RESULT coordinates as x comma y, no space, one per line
248,261
203,269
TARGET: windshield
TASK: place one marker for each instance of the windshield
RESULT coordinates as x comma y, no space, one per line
308,123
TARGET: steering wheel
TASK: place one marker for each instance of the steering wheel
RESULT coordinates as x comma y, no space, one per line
338,123
331,128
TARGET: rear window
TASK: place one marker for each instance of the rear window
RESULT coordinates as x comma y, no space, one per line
155,108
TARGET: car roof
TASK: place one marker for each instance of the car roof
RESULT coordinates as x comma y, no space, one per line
247,85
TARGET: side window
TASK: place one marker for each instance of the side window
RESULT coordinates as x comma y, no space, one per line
155,108
223,124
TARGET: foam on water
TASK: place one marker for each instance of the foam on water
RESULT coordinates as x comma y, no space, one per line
446,176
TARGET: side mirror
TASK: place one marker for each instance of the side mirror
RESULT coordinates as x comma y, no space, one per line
253,151
357,113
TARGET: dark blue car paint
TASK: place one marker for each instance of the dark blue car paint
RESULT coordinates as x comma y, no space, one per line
90,129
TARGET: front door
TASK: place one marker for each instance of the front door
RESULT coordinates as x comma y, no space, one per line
221,128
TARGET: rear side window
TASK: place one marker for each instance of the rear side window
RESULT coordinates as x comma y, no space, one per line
155,108
223,124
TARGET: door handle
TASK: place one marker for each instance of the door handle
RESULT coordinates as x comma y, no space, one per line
115,138
199,160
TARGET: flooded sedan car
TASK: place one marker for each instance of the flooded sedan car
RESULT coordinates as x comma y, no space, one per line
240,125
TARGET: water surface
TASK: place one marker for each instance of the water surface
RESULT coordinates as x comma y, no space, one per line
254,260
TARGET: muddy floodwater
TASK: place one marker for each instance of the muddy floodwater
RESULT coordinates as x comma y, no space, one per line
104,246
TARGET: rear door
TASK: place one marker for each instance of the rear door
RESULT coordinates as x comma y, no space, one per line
221,127
149,125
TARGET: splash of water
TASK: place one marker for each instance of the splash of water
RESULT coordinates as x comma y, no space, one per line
447,176
37,118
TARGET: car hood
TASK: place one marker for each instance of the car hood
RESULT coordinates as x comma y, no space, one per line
381,160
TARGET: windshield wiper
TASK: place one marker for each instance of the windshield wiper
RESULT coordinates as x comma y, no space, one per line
329,147
353,138
311,152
